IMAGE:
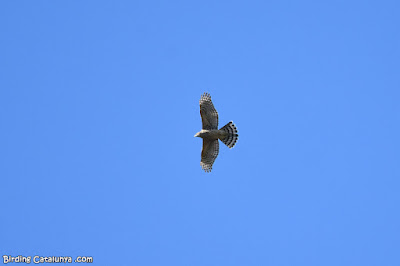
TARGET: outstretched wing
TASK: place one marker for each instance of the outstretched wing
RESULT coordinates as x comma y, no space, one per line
209,154
209,116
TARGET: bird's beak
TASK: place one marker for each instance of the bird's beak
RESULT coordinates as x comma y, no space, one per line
197,134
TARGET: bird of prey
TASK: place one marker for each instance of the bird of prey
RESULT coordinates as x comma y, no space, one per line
210,133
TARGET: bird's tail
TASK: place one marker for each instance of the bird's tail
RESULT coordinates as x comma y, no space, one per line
232,136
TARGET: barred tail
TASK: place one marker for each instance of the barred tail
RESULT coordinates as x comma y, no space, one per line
232,136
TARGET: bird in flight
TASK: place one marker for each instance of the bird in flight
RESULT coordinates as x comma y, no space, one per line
210,133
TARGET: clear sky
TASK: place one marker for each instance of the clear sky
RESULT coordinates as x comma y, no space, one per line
99,106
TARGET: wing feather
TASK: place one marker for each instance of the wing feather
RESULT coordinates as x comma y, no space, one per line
209,116
209,154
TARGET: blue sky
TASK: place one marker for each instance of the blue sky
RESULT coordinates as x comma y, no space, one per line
99,105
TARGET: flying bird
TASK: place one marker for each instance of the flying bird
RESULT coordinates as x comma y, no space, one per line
210,133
